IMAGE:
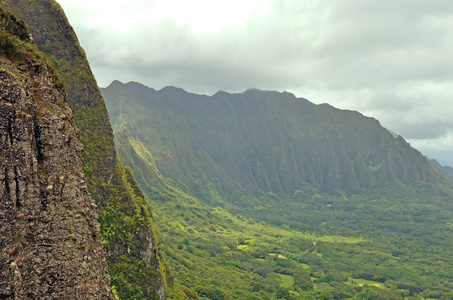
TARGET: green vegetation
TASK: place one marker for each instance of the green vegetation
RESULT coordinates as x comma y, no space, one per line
16,45
224,241
18,238
14,37
246,259
125,222
256,258
10,24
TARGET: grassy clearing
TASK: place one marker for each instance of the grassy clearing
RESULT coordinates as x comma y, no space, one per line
286,281
340,239
363,282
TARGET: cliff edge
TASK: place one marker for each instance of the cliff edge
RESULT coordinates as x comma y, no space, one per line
131,243
50,238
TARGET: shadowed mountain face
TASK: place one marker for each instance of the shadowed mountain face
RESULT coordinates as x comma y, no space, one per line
261,141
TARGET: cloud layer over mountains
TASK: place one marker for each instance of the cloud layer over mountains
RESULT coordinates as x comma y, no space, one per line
390,60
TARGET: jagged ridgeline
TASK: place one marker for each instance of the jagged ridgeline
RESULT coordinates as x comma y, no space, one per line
50,238
260,141
130,240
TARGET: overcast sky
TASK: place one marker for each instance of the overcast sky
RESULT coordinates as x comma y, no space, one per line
391,60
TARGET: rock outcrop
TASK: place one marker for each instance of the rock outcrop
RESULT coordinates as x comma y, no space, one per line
136,267
50,238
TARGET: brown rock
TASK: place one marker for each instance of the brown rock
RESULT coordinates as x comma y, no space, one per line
48,224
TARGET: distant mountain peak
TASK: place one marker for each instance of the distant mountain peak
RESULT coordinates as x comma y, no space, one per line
172,89
115,83
267,92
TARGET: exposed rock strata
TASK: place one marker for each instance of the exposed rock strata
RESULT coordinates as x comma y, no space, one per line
50,242
134,260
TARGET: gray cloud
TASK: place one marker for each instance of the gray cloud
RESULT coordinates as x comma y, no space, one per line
388,59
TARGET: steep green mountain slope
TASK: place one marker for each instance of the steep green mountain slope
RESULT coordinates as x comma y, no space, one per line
262,142
129,237
239,153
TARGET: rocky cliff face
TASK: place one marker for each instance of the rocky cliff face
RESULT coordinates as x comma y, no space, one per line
50,239
130,240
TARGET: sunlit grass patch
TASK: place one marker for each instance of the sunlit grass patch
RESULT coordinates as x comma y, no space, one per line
286,280
363,282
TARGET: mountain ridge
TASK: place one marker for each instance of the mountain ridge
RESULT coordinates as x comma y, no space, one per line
292,124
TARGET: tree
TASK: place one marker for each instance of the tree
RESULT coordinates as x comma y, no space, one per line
217,295
283,293
302,280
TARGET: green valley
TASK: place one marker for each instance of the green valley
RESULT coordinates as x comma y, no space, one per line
261,195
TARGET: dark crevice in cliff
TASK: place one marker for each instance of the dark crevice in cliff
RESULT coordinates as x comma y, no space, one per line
43,199
10,130
39,156
41,170
16,179
7,193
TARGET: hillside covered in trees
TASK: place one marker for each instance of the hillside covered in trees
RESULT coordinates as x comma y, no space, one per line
285,199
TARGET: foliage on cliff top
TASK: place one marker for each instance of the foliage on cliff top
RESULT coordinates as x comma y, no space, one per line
17,45
9,23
